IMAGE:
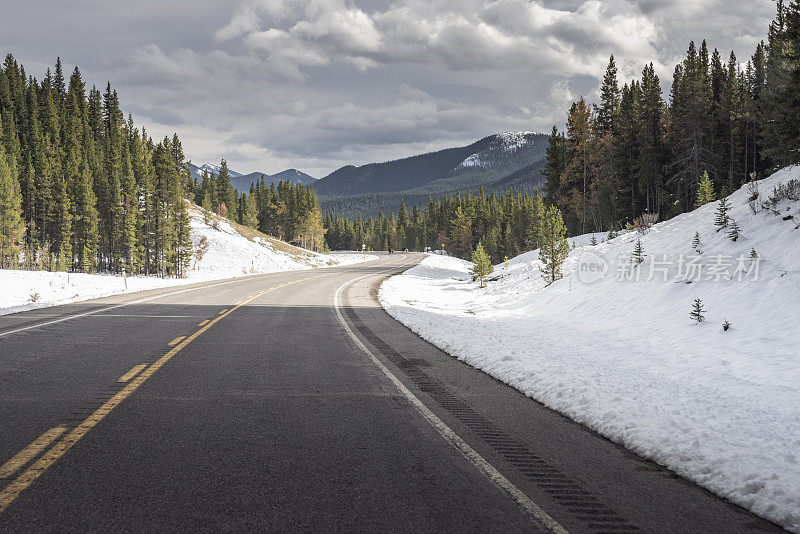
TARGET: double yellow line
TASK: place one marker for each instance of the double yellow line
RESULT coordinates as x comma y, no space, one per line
35,470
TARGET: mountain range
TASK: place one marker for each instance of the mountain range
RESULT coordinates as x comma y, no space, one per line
241,182
497,163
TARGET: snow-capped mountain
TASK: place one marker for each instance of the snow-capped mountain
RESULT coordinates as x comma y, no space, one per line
497,162
504,144
210,168
241,182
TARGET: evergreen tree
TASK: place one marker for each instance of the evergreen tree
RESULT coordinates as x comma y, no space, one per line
555,162
652,151
705,191
691,112
576,179
734,230
250,212
481,265
696,240
721,218
12,228
780,107
638,253
554,247
535,226
697,311
225,194
609,99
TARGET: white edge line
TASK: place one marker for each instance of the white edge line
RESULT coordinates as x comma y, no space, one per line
469,453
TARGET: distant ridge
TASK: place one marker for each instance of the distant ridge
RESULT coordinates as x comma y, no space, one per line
241,182
496,163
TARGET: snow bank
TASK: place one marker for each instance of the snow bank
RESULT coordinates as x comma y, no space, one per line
623,356
221,250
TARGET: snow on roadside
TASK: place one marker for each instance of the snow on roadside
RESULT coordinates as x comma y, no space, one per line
624,358
351,258
221,250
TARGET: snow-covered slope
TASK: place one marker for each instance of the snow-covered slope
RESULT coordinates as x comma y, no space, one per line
623,356
221,250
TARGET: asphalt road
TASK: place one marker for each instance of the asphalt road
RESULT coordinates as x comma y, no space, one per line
293,402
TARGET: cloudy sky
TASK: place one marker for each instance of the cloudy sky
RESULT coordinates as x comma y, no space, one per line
317,84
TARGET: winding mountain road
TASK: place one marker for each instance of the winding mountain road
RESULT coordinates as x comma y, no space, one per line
292,402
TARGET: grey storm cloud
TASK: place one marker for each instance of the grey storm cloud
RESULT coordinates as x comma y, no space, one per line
316,84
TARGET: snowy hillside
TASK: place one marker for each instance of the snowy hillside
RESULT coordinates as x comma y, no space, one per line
612,345
221,250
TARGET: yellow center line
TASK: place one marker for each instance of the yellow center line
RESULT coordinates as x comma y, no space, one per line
203,323
29,453
226,309
27,477
176,341
133,372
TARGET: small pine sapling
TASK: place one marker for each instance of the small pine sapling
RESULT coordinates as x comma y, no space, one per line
612,233
726,325
696,240
554,247
593,242
734,230
753,254
697,311
722,219
638,253
705,191
482,265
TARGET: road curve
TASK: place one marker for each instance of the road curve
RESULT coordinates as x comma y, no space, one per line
293,402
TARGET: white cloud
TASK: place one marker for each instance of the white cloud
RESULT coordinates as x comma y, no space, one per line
316,84
492,35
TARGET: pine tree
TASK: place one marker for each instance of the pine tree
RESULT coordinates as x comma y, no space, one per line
638,253
250,212
226,195
576,180
779,113
461,231
12,228
553,248
555,162
482,265
609,99
722,219
697,311
593,242
705,191
696,240
691,113
183,240
649,135
734,230
535,226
